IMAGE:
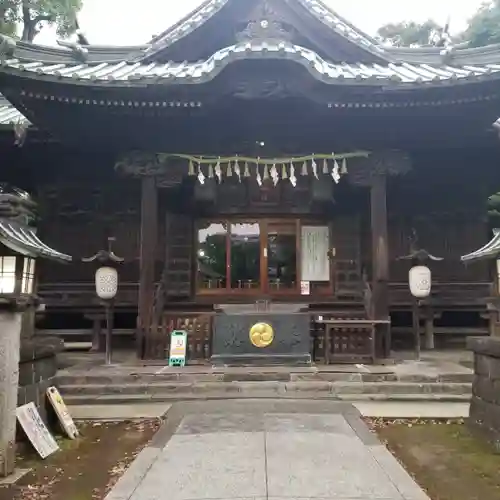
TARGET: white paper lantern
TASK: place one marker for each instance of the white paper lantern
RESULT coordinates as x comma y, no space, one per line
106,283
420,280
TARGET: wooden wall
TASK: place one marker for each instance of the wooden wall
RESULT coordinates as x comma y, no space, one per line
83,201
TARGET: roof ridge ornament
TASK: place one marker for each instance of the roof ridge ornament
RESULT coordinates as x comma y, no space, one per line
79,52
7,46
264,25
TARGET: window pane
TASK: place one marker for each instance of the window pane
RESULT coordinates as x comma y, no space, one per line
28,277
245,256
7,274
212,241
282,256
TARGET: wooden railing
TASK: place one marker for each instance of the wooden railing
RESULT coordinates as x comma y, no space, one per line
199,329
456,295
76,295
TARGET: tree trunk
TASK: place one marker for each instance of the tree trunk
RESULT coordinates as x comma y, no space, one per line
29,24
29,31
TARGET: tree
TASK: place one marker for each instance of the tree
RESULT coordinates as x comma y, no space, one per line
410,33
484,26
33,15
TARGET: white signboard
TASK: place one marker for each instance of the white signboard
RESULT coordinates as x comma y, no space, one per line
178,348
34,427
315,243
305,288
62,412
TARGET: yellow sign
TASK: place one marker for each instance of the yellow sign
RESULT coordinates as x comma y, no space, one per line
62,412
261,335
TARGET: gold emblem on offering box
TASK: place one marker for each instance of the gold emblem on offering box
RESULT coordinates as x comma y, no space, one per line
261,335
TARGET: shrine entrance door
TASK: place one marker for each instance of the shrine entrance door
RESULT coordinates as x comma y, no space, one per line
264,257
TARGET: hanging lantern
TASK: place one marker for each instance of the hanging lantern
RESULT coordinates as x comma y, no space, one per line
210,171
420,280
229,171
191,170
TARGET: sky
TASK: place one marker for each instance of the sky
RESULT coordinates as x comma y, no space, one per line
120,22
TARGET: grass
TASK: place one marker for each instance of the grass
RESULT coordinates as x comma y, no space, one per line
445,458
85,468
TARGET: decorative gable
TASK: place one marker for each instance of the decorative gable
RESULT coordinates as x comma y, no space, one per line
219,24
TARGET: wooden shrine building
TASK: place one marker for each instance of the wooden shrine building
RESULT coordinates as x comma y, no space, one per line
262,156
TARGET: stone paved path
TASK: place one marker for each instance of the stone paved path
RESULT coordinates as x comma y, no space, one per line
256,450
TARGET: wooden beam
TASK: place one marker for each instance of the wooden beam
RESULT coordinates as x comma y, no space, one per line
380,258
148,243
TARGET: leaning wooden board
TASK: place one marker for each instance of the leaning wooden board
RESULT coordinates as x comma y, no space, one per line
62,412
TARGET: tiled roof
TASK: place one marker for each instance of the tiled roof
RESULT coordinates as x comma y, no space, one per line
341,25
127,73
489,251
9,115
22,239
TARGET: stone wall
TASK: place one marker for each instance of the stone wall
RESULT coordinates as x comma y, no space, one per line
485,403
37,369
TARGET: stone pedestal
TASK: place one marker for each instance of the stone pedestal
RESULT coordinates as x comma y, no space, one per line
290,345
485,403
37,369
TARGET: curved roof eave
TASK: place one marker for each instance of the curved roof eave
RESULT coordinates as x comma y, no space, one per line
9,115
23,239
136,74
489,251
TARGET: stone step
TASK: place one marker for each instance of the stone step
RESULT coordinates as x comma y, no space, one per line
306,375
134,399
256,389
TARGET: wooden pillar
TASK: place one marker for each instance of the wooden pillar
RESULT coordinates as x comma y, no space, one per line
148,243
97,341
429,328
380,259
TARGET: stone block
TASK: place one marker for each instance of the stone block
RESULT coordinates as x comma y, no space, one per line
26,373
489,346
45,368
481,364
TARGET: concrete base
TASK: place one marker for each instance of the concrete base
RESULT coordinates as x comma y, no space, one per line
261,360
14,478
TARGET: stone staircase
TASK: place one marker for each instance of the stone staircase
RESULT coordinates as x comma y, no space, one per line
168,385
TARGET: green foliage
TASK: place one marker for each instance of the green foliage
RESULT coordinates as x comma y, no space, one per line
484,27
494,207
32,15
409,33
